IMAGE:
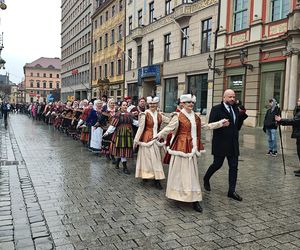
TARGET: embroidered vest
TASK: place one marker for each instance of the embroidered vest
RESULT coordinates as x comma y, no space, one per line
149,124
183,140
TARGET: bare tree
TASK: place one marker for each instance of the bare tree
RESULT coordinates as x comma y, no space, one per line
5,91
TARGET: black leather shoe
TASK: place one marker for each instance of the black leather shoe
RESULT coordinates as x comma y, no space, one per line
206,185
197,206
126,171
158,185
297,174
297,171
235,196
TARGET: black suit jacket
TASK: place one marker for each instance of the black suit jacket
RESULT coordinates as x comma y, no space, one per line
225,140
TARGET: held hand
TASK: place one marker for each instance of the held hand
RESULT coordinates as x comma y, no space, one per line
226,123
277,118
105,134
154,138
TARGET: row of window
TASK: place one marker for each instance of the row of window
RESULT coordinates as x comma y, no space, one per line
101,72
109,13
39,85
82,24
278,10
77,45
80,78
44,75
105,43
77,61
205,45
75,13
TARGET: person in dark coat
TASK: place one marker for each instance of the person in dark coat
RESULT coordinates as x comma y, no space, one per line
295,122
225,142
270,126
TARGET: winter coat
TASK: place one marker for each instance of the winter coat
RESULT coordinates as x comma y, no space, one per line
295,122
269,121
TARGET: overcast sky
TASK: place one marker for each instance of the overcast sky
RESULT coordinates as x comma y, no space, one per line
31,29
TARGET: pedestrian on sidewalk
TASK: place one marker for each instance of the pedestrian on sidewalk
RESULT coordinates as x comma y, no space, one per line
183,179
270,126
122,140
295,122
225,142
149,163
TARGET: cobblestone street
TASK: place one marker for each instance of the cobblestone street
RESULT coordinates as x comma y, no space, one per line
55,194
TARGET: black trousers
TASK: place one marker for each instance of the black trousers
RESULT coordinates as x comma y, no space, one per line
298,147
233,169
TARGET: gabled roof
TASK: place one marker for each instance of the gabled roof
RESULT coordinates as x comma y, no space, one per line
45,62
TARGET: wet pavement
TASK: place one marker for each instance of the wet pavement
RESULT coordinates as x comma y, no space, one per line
55,194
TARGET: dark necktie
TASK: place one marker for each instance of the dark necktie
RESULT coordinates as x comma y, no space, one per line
231,113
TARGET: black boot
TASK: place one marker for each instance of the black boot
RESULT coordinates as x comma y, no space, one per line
125,169
113,159
197,206
158,185
117,163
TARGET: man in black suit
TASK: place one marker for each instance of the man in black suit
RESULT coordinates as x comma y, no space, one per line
225,142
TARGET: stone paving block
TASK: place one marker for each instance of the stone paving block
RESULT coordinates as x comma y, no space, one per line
109,239
191,240
169,244
66,240
285,238
268,242
287,246
225,242
87,244
168,236
151,232
129,244
206,246
244,238
65,247
7,246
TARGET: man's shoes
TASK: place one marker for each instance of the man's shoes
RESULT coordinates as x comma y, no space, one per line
235,196
297,171
297,174
197,206
206,185
158,185
269,152
274,153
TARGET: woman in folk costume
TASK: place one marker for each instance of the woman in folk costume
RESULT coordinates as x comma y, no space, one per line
95,132
108,112
183,179
148,164
84,136
122,140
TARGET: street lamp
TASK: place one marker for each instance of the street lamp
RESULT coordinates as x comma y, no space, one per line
3,6
243,55
209,62
2,61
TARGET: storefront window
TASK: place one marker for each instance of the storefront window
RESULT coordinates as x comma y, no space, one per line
133,91
198,87
171,92
236,83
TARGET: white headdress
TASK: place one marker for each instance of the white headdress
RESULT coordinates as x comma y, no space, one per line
188,98
151,99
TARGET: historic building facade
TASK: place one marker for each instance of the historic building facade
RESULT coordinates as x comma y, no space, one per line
108,43
167,46
76,48
41,79
257,53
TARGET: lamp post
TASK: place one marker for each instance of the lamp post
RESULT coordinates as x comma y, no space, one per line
209,63
2,61
3,6
243,55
